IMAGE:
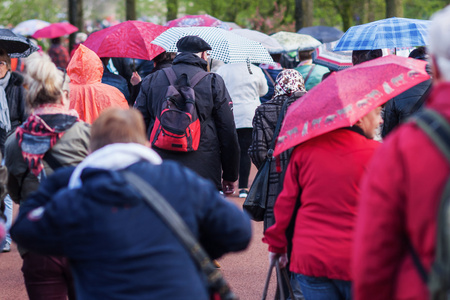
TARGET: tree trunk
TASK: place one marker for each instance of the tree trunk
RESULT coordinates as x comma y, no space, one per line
372,6
309,13
298,14
130,10
172,9
75,8
394,8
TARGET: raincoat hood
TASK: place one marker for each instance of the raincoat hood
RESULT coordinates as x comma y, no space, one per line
85,67
88,96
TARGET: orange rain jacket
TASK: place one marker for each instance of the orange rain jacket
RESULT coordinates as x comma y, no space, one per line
88,96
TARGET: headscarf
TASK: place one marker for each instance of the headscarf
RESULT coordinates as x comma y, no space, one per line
288,82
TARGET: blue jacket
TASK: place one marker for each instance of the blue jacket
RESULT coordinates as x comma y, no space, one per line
117,246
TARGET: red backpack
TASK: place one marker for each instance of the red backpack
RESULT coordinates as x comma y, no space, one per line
177,128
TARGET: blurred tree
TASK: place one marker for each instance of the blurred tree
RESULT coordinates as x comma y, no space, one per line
394,8
14,12
130,9
75,8
172,9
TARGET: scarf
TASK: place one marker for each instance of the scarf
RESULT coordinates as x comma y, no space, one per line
5,121
114,157
288,82
41,132
5,80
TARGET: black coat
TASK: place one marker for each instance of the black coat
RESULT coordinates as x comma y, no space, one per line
401,107
15,95
219,148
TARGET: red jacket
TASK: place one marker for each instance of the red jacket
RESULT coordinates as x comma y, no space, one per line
399,202
326,171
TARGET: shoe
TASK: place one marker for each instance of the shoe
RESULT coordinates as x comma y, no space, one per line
243,193
6,248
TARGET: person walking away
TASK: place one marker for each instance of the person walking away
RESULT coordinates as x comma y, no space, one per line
88,95
58,53
246,83
271,72
118,246
311,73
114,80
322,179
289,87
402,106
12,115
217,155
52,137
401,194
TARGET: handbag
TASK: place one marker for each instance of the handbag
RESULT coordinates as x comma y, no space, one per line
256,201
165,211
280,272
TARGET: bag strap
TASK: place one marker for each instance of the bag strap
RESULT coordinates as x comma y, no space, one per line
268,76
170,74
438,130
280,272
277,129
166,212
309,73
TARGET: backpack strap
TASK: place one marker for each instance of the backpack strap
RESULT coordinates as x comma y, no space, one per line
170,74
437,129
197,78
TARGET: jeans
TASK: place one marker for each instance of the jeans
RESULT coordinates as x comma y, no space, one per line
245,140
9,216
322,288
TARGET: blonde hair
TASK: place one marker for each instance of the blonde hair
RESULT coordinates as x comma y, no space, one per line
44,81
115,125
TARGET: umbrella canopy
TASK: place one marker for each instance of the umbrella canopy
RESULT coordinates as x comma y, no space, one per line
333,60
346,96
324,34
55,30
88,95
271,44
29,27
197,20
226,46
232,25
388,33
16,45
292,41
130,39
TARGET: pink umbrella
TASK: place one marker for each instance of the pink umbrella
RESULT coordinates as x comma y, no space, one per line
131,39
198,20
346,96
55,30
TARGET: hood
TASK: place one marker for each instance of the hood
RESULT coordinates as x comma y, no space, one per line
85,67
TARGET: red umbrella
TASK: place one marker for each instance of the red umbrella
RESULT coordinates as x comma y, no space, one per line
131,39
55,30
346,96
198,20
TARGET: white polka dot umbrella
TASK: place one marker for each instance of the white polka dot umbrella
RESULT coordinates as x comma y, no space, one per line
226,46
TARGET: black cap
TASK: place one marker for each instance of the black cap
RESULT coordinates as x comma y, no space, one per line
192,44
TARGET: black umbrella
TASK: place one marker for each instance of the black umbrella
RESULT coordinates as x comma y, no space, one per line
325,34
16,45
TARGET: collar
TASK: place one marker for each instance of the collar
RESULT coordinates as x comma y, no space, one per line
190,59
356,129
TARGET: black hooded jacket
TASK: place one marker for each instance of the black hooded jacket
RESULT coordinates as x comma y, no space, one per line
219,148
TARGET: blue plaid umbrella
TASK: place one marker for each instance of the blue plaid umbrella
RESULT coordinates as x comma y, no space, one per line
388,33
226,46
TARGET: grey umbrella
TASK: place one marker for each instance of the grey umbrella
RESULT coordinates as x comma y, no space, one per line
16,45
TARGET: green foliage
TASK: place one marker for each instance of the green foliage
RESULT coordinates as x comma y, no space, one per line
14,12
418,9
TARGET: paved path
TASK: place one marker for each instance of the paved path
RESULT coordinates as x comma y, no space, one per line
245,271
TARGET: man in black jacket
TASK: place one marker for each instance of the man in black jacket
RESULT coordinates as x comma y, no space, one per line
218,152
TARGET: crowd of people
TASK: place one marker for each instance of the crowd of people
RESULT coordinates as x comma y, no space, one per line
350,217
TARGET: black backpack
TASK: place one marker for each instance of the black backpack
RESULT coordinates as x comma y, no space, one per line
177,126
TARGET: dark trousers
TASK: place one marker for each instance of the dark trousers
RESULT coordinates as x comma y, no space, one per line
245,140
47,277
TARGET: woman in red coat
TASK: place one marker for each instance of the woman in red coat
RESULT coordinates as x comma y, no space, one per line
323,175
